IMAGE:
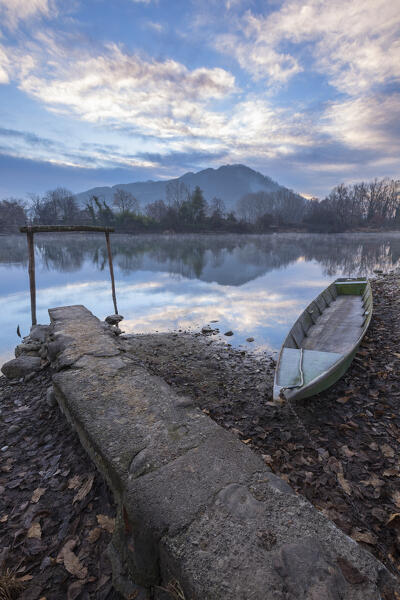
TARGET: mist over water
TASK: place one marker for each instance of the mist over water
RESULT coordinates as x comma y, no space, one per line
253,285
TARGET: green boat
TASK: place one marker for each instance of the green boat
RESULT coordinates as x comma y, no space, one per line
319,348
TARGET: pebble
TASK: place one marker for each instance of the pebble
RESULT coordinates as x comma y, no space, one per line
250,339
13,429
4,448
229,333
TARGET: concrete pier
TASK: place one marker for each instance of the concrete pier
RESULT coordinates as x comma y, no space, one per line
198,511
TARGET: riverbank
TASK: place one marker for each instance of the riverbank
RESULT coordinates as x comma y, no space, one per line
340,450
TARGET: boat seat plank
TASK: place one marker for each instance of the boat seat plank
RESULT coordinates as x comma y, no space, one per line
339,327
314,364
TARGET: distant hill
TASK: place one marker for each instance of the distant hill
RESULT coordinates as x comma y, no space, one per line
229,183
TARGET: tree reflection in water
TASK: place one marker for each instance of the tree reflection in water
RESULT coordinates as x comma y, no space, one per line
226,259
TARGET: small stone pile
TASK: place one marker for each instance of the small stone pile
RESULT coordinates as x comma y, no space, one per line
31,356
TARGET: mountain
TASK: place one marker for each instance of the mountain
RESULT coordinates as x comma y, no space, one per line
229,183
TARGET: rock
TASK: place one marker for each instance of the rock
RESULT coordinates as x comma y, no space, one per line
21,366
30,348
39,333
207,329
29,376
13,429
113,319
250,339
308,573
229,333
50,397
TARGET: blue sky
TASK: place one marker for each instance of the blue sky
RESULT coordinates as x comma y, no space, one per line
94,92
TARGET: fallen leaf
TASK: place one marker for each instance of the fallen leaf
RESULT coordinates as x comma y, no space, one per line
392,517
71,562
344,483
74,590
364,536
35,531
25,578
84,489
396,499
374,481
4,518
387,451
37,494
94,535
74,482
246,441
343,399
106,523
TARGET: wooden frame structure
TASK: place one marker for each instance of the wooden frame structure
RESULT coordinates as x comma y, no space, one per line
30,230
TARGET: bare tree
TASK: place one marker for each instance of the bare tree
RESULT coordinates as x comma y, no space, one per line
125,201
176,194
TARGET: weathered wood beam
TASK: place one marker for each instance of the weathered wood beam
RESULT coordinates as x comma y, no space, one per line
111,272
64,228
31,270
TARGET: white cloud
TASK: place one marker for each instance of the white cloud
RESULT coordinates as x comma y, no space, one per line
13,11
4,66
355,42
371,122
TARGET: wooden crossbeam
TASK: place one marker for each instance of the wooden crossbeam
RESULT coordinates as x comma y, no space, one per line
31,229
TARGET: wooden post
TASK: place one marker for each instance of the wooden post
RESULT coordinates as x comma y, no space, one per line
32,284
111,271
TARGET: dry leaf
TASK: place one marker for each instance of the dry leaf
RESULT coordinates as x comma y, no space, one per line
396,499
387,451
71,561
84,489
35,531
364,536
94,535
25,578
4,518
246,441
390,472
37,494
374,481
343,399
344,483
392,517
74,482
106,523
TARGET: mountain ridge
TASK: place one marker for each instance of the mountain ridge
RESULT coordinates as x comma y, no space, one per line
228,182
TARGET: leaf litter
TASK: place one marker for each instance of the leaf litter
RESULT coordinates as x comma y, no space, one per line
50,501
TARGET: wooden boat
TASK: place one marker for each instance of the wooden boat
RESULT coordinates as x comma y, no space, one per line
322,343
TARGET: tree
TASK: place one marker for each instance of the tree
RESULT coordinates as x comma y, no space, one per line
157,210
176,193
12,215
198,206
125,201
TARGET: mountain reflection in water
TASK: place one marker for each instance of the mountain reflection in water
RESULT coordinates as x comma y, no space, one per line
254,285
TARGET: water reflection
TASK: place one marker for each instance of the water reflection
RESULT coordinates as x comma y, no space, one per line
254,285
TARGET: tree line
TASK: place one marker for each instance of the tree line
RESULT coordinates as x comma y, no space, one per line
364,205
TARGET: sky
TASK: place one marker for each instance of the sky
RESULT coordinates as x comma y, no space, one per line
96,93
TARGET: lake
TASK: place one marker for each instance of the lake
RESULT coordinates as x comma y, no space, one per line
254,285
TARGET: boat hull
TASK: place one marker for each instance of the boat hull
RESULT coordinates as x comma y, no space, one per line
310,364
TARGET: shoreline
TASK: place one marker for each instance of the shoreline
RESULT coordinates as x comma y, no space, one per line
339,449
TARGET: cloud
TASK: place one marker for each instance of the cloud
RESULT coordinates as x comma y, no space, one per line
354,42
162,98
4,66
369,123
14,11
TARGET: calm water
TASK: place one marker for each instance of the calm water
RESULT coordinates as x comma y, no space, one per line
254,285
